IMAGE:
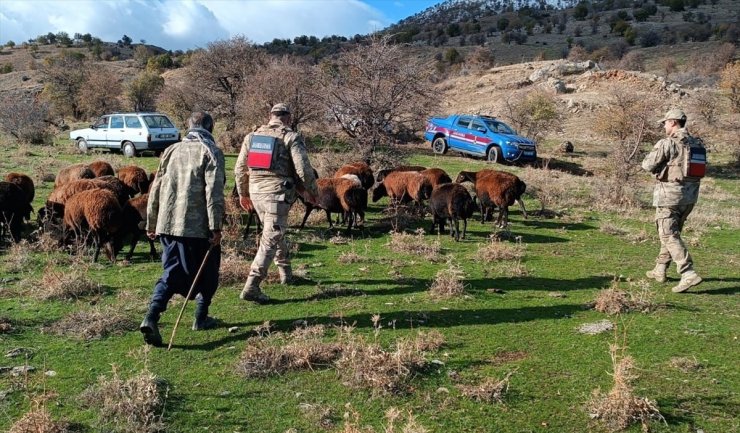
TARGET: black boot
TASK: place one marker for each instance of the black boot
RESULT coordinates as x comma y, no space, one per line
150,330
202,321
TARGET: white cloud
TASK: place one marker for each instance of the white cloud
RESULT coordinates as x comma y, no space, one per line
183,24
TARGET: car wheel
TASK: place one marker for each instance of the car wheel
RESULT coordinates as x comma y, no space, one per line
439,146
129,151
82,145
493,154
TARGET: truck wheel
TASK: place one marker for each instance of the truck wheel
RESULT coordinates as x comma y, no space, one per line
439,146
129,151
82,145
493,154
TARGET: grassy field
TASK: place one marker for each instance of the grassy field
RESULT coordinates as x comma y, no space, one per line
526,296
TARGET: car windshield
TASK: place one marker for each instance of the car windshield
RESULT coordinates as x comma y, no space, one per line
500,127
158,122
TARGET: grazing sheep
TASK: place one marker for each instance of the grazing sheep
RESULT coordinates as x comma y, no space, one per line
402,187
343,195
495,188
136,179
73,172
451,201
13,209
54,207
363,172
134,224
24,182
436,176
98,212
383,173
102,168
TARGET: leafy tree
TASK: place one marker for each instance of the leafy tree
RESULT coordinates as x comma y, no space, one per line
502,24
10,44
126,41
452,56
580,12
142,93
100,93
64,39
453,30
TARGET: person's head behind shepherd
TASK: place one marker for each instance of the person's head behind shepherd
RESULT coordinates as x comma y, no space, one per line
201,120
281,111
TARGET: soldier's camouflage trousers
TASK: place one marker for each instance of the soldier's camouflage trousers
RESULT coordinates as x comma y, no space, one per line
669,221
273,212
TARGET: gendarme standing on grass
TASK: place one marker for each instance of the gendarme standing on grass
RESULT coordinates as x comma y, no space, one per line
273,162
186,210
678,163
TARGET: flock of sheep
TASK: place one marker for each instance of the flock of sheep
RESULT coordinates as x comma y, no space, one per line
91,203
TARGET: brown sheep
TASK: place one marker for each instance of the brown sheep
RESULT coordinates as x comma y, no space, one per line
451,201
97,212
54,207
359,169
24,182
383,173
135,178
495,188
403,186
13,209
102,168
73,172
134,224
340,195
436,176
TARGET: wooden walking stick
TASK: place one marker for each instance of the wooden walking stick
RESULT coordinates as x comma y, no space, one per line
190,292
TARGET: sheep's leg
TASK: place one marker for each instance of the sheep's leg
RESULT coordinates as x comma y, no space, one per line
328,218
309,208
521,205
465,227
134,240
434,223
152,249
96,244
350,220
457,229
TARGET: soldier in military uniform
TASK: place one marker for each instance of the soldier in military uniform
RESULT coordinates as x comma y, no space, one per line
186,209
273,162
674,197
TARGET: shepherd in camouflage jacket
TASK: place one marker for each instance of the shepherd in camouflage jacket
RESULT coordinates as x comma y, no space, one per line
186,208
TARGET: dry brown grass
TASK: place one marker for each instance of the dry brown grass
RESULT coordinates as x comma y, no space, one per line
38,420
366,364
620,408
496,250
448,283
302,349
18,258
610,228
93,324
415,244
133,405
686,364
396,422
234,268
489,391
6,326
399,217
66,285
320,415
638,298
349,257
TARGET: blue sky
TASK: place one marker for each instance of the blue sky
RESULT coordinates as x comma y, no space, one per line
184,24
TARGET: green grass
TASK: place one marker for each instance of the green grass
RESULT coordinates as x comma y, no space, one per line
553,380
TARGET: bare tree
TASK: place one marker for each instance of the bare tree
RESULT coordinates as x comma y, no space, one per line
628,122
220,73
375,91
100,93
178,102
64,75
143,91
24,117
533,113
286,80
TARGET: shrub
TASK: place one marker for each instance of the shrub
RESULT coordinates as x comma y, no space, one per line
24,118
730,84
142,93
100,94
6,68
533,113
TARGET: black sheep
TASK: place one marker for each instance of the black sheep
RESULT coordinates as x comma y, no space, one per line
451,201
14,208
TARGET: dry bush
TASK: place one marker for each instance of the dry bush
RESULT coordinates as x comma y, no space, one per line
367,365
392,416
448,283
556,190
415,244
489,391
708,106
100,93
6,326
349,257
133,405
234,268
231,141
578,53
496,250
730,84
24,118
318,414
620,408
66,285
399,217
533,113
17,257
667,65
609,228
638,298
687,365
627,121
38,420
712,61
93,324
303,349
632,61
327,162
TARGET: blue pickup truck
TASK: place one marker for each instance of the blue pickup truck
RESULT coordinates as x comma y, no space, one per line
479,136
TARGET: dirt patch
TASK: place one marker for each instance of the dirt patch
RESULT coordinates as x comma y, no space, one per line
488,391
506,357
93,324
596,327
